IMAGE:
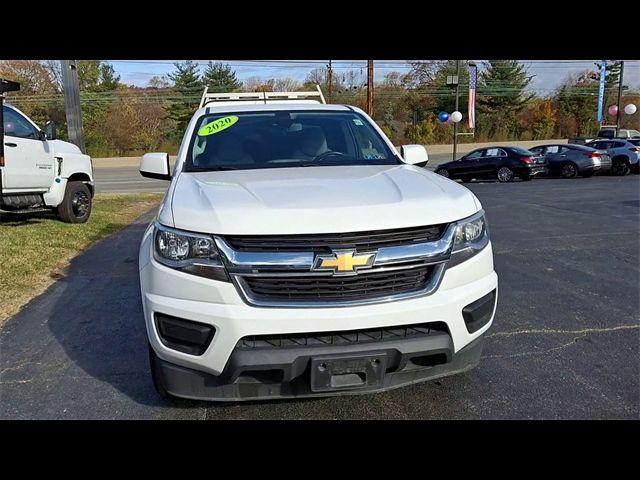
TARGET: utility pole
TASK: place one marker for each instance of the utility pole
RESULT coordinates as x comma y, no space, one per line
330,80
455,125
71,88
619,97
370,88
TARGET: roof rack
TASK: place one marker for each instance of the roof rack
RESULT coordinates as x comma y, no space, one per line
262,97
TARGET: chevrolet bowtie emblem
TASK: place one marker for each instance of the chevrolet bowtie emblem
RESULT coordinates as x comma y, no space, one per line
343,262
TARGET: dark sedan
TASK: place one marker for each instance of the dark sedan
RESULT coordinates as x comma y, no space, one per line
571,160
503,163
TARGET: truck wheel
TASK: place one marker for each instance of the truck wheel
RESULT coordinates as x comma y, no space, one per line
620,167
76,205
156,376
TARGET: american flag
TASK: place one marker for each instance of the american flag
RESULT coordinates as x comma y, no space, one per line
473,80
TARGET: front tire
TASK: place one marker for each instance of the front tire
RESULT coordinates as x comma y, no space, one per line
444,172
76,204
620,167
569,170
505,174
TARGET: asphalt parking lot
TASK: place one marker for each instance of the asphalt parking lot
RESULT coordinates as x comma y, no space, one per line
565,342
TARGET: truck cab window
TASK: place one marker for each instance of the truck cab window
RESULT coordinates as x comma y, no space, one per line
15,125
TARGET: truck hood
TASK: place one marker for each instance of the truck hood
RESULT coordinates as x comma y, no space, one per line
60,146
314,200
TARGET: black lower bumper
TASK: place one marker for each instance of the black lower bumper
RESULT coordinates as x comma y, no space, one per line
307,371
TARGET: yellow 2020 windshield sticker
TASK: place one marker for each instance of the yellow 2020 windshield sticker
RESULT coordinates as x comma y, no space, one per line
217,125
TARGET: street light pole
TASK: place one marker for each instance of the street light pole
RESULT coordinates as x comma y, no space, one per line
455,125
330,80
619,97
370,88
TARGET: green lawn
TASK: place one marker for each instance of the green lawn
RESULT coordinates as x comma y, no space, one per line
34,251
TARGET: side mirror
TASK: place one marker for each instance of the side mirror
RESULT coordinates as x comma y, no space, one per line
50,130
414,155
155,165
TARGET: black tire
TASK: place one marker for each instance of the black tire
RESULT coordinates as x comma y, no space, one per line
505,174
444,172
620,167
156,375
76,204
569,170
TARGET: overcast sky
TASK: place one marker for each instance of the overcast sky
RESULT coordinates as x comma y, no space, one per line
547,74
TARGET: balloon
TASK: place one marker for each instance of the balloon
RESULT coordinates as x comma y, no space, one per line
630,109
456,117
443,116
613,110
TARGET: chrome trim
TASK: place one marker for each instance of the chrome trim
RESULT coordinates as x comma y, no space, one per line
432,286
247,261
434,252
398,266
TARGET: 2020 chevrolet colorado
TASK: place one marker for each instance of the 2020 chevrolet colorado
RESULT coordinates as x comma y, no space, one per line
297,253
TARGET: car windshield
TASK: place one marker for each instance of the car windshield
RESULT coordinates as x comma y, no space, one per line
278,139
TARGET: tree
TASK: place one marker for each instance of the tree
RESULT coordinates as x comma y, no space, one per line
35,79
577,100
286,85
186,94
107,78
220,78
502,94
158,82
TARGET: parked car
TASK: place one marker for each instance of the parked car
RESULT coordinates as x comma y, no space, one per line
298,253
573,160
608,133
625,154
503,163
41,173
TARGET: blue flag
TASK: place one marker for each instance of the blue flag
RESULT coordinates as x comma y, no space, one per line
603,72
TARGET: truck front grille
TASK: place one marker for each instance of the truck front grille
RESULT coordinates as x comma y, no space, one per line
361,241
367,285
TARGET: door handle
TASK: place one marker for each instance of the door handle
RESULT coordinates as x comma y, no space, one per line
10,144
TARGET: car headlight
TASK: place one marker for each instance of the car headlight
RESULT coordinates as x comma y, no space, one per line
471,236
188,252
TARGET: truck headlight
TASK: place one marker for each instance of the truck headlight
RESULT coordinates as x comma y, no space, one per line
471,236
189,252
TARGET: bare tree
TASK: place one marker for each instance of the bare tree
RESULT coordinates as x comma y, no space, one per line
286,85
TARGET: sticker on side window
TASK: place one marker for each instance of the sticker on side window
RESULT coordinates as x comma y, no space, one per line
357,121
217,125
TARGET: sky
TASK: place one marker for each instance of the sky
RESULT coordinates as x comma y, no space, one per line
547,74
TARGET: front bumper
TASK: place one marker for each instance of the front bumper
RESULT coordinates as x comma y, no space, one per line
297,365
218,304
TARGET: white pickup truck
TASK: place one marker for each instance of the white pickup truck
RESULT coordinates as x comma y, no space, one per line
298,253
41,173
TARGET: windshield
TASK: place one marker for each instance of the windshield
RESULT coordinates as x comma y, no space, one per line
252,140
